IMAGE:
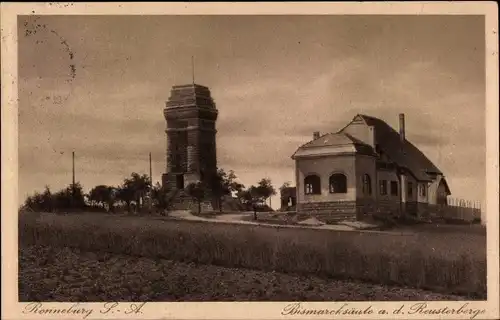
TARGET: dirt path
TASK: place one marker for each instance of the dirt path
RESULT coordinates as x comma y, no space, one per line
50,274
241,219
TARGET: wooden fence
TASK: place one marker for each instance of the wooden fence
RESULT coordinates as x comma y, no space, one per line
457,209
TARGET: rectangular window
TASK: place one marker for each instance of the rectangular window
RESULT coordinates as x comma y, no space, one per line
383,187
394,188
410,189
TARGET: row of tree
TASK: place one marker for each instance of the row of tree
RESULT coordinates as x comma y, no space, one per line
137,193
225,184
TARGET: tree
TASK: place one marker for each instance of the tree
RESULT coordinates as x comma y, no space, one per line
77,195
197,190
40,201
103,195
46,200
233,185
69,198
140,184
221,185
224,184
29,203
251,197
63,199
134,188
266,189
160,197
126,194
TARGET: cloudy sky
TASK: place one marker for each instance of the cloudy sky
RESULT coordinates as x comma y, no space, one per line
98,85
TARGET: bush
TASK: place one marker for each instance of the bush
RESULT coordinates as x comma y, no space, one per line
69,198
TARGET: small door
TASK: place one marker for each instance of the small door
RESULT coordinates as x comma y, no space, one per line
180,181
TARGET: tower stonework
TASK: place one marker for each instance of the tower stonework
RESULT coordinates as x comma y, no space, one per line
190,115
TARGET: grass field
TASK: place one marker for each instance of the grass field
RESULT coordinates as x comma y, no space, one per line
450,262
72,275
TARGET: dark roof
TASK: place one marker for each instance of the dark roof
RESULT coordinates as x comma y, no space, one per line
329,139
338,139
404,154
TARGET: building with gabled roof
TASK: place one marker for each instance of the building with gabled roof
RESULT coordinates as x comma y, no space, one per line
366,167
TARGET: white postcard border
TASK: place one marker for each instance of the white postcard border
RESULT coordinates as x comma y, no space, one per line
12,309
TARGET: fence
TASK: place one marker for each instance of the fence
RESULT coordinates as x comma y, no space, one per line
457,209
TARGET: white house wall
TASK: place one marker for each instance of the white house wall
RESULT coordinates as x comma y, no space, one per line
324,167
361,131
413,196
366,165
420,197
434,189
387,176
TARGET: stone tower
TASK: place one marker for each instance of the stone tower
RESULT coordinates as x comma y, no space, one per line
190,114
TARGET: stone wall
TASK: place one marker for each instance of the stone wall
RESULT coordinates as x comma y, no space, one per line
184,202
365,206
169,180
191,115
177,151
328,210
359,209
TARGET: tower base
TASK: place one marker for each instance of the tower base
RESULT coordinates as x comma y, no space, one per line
177,182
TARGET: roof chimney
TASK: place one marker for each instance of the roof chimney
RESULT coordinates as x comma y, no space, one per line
402,126
316,135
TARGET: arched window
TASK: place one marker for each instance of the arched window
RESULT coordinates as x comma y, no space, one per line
367,184
312,185
338,183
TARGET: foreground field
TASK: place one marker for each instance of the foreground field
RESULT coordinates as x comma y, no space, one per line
452,263
63,275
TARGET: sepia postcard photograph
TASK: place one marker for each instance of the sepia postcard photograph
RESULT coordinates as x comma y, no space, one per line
241,161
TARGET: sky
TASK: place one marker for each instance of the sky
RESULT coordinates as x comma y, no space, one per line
97,85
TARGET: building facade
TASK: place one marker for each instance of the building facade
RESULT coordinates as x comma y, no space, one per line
366,167
191,116
288,198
